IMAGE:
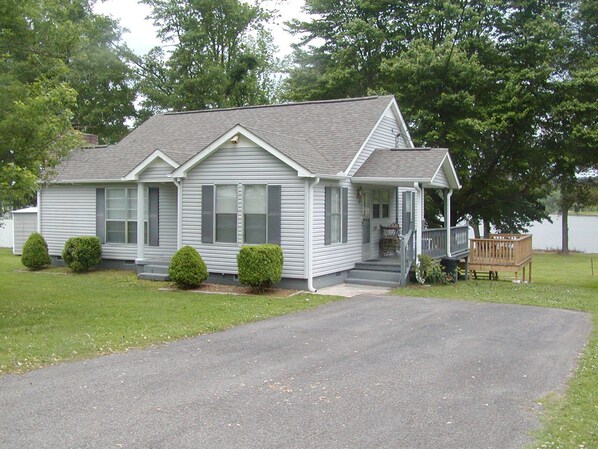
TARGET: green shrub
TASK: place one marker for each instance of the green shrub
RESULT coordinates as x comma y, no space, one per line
35,252
187,269
429,271
260,266
82,253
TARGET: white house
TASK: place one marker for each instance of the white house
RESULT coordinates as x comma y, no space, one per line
323,179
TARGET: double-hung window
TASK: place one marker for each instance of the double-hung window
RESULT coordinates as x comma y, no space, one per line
260,208
255,214
381,204
226,213
336,214
121,215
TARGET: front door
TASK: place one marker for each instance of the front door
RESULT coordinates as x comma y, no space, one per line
366,223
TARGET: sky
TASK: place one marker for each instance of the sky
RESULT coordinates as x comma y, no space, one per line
141,35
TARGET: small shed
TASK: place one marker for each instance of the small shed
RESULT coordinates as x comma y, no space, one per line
24,224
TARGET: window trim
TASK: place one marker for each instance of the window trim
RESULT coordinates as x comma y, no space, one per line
378,204
265,214
343,221
236,213
127,220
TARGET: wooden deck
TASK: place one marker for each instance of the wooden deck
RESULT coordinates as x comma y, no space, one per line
501,252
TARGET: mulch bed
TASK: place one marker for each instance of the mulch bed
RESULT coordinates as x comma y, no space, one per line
223,289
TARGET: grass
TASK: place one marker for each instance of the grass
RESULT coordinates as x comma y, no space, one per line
571,420
52,316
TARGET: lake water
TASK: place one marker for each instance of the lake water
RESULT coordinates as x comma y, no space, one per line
583,233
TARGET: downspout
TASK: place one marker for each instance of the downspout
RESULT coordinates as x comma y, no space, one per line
178,182
39,211
447,220
140,222
419,218
310,233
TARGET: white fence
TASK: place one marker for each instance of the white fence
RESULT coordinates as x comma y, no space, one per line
6,233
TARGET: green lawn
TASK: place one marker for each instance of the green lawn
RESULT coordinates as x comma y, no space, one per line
52,316
570,422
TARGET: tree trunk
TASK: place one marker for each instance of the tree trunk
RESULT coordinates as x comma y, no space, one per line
476,228
486,229
565,231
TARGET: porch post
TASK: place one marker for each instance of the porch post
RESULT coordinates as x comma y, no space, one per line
419,218
447,219
179,212
140,220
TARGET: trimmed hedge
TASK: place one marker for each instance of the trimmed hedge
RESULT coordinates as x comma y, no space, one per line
82,253
187,269
35,252
260,266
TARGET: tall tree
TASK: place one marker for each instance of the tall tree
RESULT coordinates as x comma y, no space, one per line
46,70
470,75
221,56
570,130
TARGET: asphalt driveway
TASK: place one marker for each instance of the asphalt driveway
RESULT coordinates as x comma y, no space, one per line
368,372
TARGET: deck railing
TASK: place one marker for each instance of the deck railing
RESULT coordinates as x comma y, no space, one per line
501,250
434,241
459,239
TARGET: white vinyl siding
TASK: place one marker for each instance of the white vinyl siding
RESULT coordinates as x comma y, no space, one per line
70,211
24,224
440,179
158,170
382,137
67,211
342,256
244,165
167,224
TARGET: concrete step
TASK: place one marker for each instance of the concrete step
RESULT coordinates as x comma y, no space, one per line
158,269
378,266
153,276
372,282
390,276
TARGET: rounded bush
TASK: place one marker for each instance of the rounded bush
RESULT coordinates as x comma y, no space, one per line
187,269
82,253
260,266
35,252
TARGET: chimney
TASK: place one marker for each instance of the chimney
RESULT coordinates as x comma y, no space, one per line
90,140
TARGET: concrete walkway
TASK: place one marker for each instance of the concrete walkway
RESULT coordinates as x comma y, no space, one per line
350,290
368,372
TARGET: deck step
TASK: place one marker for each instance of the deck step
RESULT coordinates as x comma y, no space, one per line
378,266
153,276
372,282
390,276
155,268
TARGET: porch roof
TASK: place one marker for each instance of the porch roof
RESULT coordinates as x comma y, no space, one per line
430,166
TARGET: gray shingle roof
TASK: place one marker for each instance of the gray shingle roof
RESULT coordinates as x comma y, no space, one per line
417,163
322,136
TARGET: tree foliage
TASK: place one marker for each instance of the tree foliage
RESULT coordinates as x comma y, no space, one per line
58,68
478,77
221,56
